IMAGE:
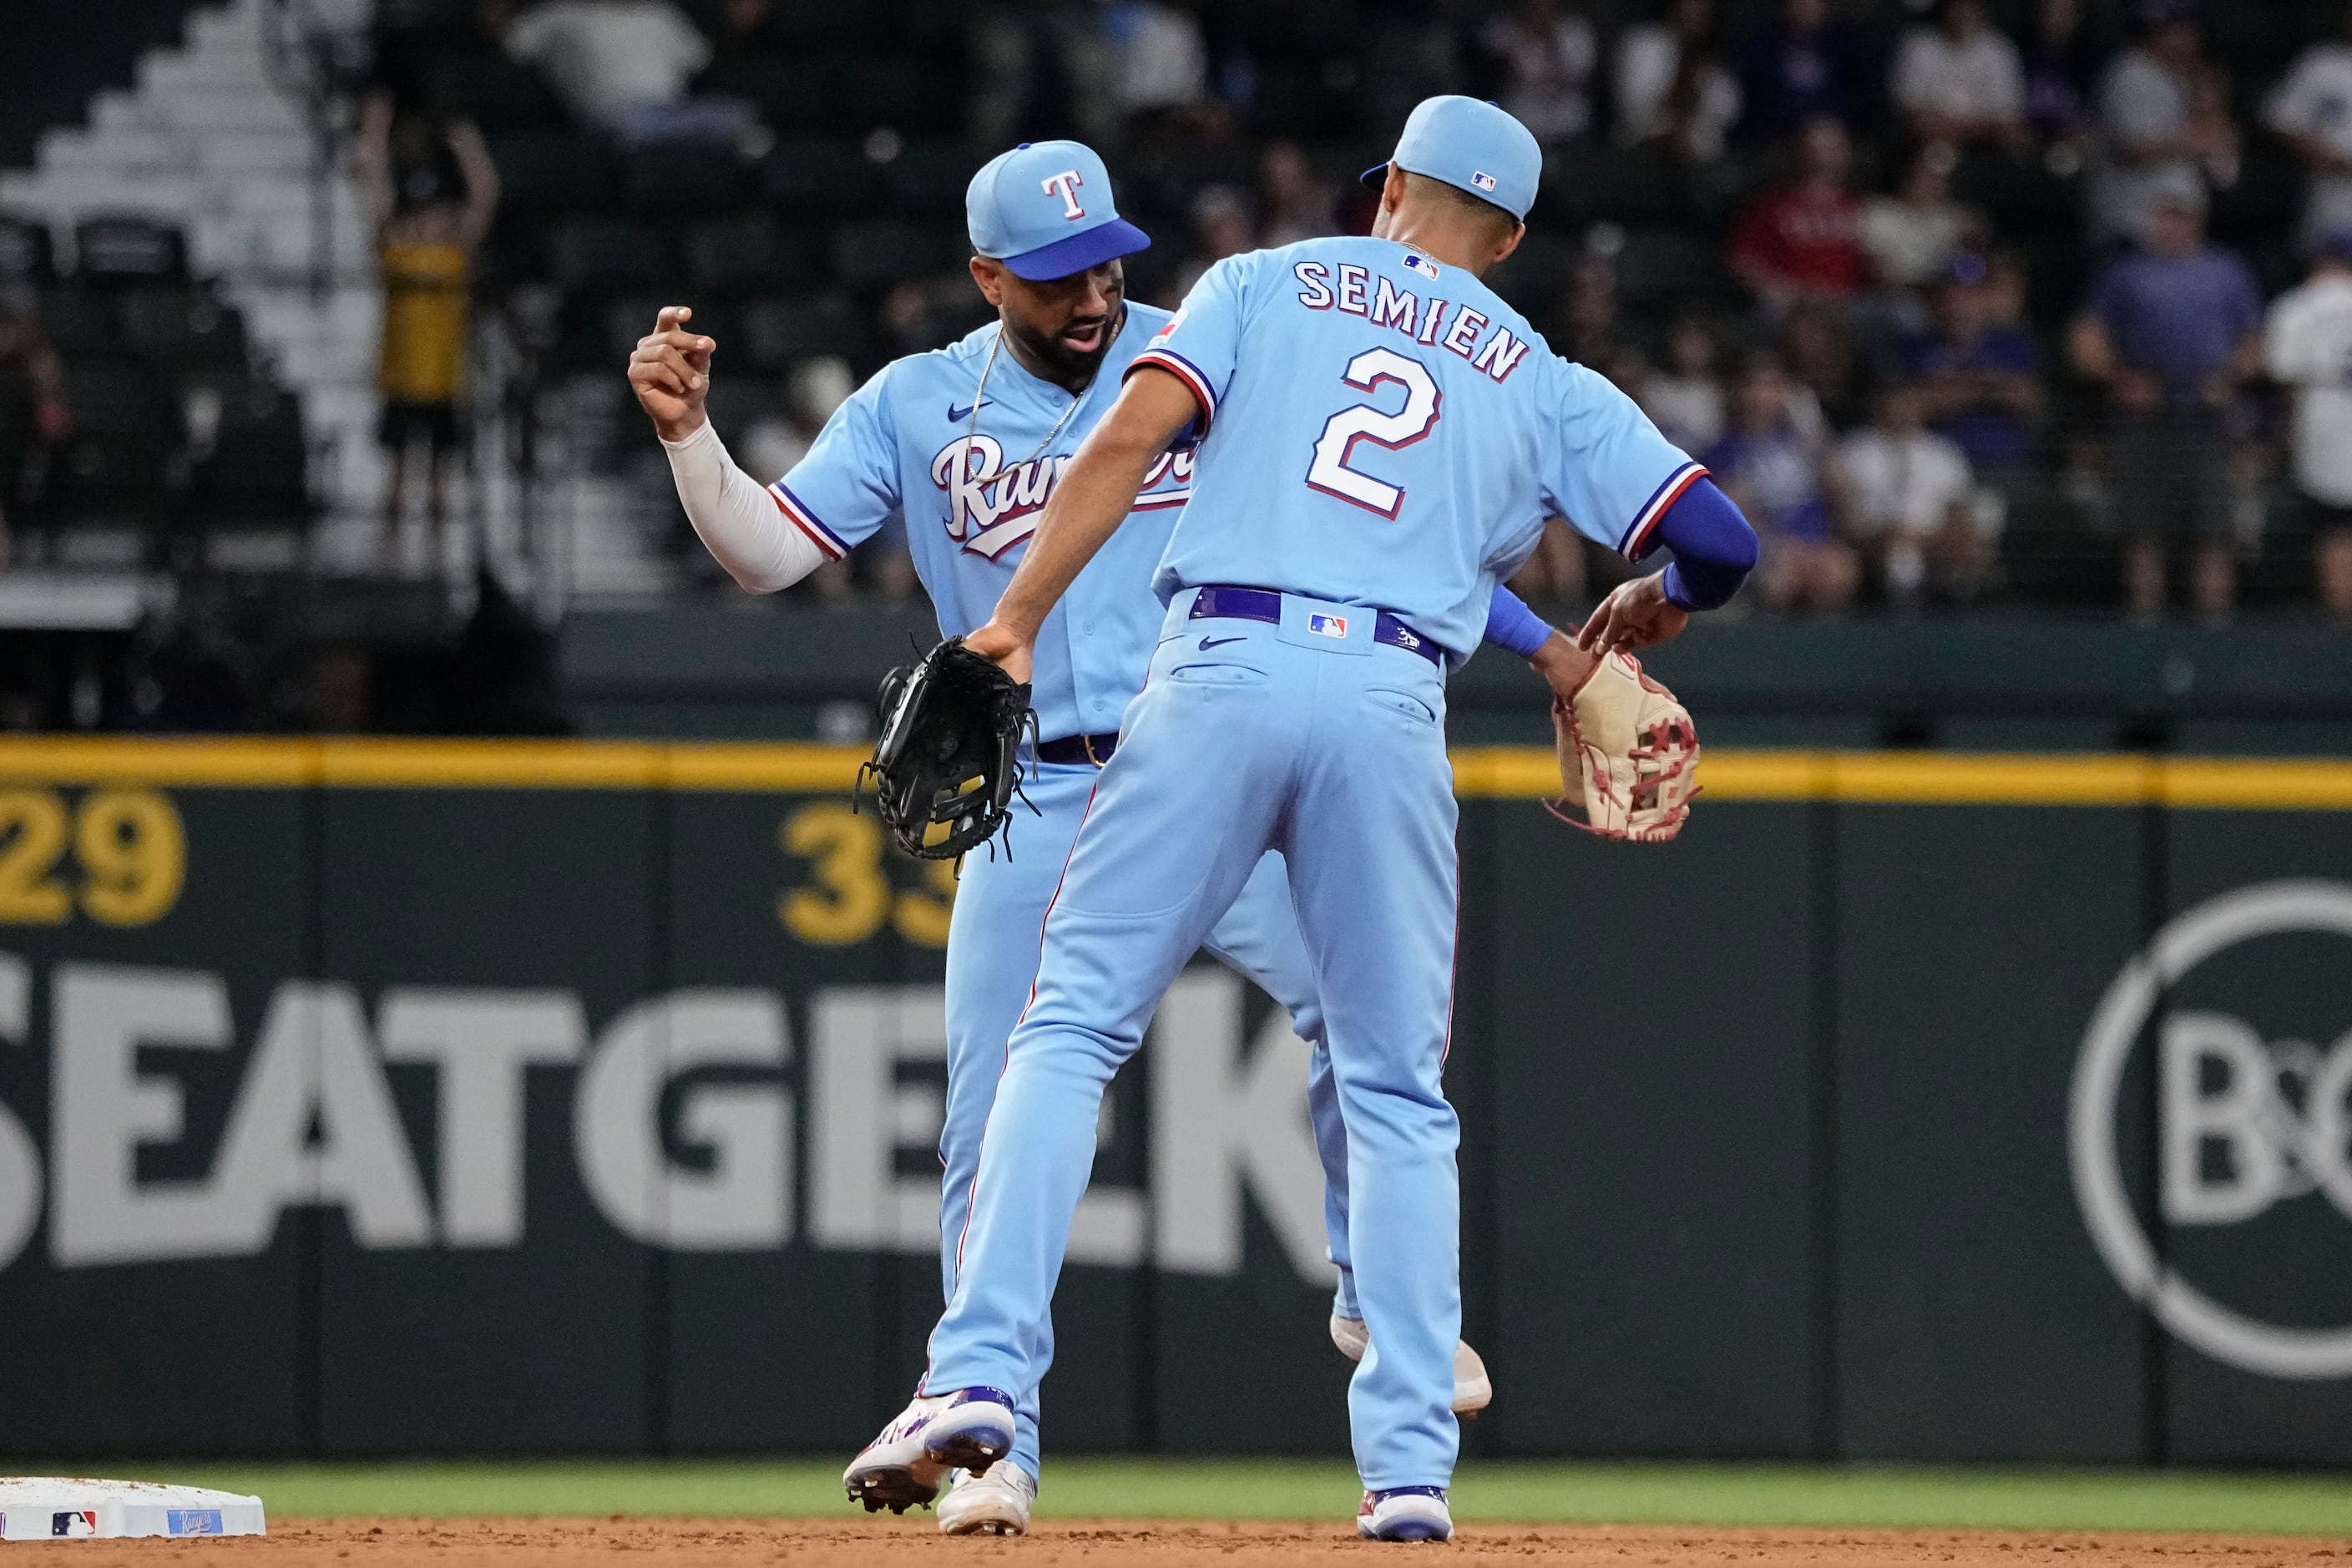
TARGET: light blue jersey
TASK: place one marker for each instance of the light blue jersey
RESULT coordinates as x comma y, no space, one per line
971,492
1383,430
905,442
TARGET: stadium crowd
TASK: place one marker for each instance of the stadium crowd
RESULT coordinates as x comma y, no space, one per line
2047,299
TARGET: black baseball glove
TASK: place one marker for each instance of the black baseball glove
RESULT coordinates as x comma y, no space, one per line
949,753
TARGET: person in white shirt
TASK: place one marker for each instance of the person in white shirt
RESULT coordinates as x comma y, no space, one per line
1960,82
2312,112
1911,235
1907,503
1686,399
1670,87
1546,54
2308,347
1162,61
624,65
2161,124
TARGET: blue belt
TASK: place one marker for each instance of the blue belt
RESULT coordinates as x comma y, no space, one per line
1224,602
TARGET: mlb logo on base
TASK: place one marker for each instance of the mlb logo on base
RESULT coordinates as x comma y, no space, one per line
80,1522
1328,626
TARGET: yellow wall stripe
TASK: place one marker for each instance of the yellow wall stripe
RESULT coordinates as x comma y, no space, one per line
1481,772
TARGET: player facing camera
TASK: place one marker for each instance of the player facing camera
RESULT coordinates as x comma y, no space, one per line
1059,328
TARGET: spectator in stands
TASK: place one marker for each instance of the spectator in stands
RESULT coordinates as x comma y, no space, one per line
1960,82
1587,328
1807,65
2060,63
1978,374
1673,87
2161,124
1686,399
2309,344
1830,380
746,52
1907,503
1222,227
1767,466
1297,205
1159,61
33,412
428,228
778,438
624,66
1911,235
2172,332
1545,56
1801,240
2311,112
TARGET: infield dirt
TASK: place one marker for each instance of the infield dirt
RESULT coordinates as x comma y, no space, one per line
722,1543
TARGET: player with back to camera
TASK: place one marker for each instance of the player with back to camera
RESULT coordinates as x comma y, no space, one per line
968,441
1383,437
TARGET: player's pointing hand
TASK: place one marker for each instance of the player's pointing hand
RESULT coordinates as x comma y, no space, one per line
671,373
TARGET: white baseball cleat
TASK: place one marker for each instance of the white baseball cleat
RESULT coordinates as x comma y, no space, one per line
997,1503
1405,1513
1473,1390
970,1428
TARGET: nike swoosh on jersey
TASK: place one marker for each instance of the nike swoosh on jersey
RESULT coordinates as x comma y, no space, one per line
1208,643
957,415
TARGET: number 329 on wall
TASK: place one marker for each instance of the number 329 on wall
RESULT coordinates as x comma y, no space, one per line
128,844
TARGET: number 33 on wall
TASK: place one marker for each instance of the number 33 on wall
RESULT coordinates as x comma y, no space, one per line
130,844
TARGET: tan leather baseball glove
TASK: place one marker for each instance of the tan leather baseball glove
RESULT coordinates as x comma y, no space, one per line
1628,756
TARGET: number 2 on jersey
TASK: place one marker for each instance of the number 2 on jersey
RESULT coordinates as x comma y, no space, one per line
1361,421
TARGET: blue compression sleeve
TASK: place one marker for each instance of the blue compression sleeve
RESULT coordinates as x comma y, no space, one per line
1714,548
1511,625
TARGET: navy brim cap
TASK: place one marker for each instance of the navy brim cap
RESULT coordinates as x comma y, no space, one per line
1373,178
1103,242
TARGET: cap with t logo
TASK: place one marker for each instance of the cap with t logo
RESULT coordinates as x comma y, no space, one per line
1471,145
1045,210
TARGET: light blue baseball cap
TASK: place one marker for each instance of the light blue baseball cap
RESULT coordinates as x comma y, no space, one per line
1471,145
1045,210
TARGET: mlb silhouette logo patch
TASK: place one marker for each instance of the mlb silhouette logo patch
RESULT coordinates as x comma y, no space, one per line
1421,264
1482,180
1328,626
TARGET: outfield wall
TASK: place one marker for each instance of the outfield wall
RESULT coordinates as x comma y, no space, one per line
365,1097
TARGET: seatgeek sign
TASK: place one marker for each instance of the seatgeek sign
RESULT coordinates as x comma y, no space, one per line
314,1122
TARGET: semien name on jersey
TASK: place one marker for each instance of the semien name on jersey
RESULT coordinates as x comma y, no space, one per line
1497,353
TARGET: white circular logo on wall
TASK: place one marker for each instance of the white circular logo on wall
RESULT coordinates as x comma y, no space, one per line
2277,1150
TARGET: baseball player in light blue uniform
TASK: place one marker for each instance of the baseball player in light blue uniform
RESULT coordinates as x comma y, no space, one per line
967,444
1382,439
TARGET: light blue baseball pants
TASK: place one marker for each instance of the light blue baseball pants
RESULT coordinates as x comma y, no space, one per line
993,948
1331,750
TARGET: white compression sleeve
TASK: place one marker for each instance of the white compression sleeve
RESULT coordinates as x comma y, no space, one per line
741,523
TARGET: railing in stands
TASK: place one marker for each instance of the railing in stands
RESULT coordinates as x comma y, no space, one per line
320,67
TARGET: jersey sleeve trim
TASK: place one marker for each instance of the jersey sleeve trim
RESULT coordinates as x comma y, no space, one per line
1661,501
1185,371
792,507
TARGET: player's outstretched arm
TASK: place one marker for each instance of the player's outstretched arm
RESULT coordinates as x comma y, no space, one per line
732,513
1713,549
1089,504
